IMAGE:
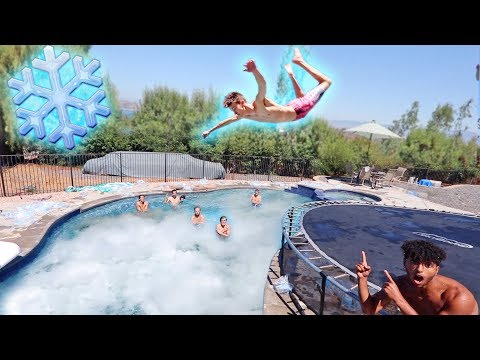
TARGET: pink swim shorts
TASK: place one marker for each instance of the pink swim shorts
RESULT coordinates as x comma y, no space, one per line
306,103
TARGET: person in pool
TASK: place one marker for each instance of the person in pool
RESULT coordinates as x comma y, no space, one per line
223,229
421,291
256,198
197,217
173,200
266,110
141,204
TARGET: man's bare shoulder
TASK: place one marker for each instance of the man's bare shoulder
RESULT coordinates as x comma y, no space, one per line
454,288
458,298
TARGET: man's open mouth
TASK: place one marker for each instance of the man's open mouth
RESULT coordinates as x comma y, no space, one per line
417,279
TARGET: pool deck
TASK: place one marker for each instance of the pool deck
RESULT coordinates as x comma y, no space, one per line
29,232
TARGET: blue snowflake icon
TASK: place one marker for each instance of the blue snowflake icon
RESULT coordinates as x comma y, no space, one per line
58,97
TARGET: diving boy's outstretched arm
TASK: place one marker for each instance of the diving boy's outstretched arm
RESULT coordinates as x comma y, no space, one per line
221,124
250,66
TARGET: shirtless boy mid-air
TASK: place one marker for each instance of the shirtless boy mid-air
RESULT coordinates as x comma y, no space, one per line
266,110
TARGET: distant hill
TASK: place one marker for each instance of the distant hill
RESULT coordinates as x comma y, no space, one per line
127,104
346,124
128,108
128,112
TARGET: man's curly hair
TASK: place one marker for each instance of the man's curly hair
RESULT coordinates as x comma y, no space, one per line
422,252
231,98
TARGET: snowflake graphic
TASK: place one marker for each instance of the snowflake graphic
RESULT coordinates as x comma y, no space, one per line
58,98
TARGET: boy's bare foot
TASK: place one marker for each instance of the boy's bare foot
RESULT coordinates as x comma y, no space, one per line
297,56
288,67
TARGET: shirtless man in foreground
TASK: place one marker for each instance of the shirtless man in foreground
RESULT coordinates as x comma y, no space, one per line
421,291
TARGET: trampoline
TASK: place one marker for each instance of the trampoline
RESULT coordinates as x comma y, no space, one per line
335,233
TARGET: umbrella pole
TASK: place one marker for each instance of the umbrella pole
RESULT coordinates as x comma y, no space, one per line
369,142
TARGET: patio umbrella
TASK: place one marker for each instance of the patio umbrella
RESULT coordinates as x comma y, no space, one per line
374,131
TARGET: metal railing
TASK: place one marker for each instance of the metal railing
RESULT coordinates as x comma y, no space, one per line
41,173
20,174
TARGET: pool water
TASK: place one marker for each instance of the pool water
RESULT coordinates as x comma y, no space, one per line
113,260
333,194
343,195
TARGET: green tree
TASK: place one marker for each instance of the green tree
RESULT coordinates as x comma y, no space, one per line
442,118
166,121
110,136
334,153
11,57
248,140
407,121
464,112
434,149
389,148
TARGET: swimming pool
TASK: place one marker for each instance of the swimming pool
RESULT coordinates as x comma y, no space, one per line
343,195
333,194
112,260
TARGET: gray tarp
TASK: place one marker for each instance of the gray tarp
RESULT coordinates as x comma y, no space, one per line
152,164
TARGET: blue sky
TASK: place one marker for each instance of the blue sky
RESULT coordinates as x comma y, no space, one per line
370,82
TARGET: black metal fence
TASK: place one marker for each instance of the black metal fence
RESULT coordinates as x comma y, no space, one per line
41,173
20,174
470,176
447,177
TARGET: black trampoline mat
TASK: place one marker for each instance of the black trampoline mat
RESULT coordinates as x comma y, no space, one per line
343,231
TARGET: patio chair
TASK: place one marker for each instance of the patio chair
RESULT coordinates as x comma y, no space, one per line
365,174
385,178
352,174
398,174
